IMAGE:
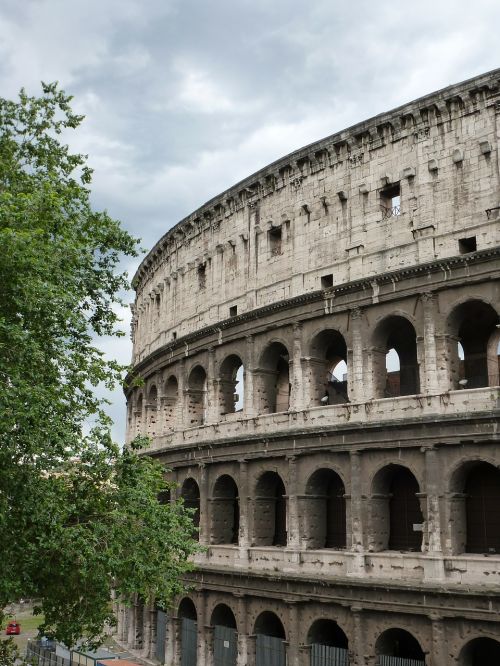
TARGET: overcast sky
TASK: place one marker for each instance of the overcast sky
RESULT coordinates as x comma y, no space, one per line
185,98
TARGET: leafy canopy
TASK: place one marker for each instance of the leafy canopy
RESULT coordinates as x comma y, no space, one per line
78,517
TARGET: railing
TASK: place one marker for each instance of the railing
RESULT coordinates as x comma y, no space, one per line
384,660
391,211
44,657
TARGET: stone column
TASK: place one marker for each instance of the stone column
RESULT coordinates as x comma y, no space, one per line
432,483
201,621
153,614
293,652
429,378
296,379
243,643
358,647
204,517
439,654
174,645
244,535
249,407
132,625
212,404
209,645
355,378
357,543
147,632
293,508
182,392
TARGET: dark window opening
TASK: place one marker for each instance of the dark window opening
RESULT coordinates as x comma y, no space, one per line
405,515
270,521
466,245
390,201
233,311
275,241
482,509
202,276
326,281
174,335
401,644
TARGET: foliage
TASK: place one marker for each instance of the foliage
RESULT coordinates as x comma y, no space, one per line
77,516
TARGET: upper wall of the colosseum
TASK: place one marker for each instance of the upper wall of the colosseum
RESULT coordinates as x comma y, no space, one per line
417,183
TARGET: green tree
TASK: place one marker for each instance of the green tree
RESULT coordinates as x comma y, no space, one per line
78,517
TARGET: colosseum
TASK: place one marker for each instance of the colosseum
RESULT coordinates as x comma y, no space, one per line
319,349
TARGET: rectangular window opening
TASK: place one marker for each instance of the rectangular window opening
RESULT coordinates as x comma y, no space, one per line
275,241
233,310
390,201
326,281
466,245
202,276
174,335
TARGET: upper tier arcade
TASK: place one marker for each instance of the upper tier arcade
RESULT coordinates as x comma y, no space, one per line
413,186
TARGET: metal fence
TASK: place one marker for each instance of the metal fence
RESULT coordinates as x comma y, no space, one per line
384,660
40,656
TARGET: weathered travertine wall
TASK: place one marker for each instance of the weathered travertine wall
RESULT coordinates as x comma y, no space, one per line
319,348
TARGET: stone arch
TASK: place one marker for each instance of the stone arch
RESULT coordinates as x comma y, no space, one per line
189,632
197,396
225,511
270,514
396,515
325,510
473,334
151,411
329,644
475,507
400,643
480,651
273,379
328,368
190,493
395,334
231,385
270,640
225,636
169,401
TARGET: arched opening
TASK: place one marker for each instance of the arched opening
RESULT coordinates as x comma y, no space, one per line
397,647
225,636
152,407
231,385
270,515
270,643
225,511
328,367
274,379
397,519
395,365
169,402
482,509
190,493
189,632
325,510
197,396
480,652
474,360
329,644
138,416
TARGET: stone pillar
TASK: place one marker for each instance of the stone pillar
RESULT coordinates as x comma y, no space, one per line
204,518
293,507
182,392
153,614
439,654
355,378
296,379
201,623
358,647
356,504
244,535
132,625
147,632
429,378
242,658
173,652
250,406
252,646
432,483
293,652
212,404
209,645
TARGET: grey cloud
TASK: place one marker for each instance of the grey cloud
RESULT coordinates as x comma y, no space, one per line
183,98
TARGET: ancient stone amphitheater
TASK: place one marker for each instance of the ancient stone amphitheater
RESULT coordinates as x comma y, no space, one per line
319,349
